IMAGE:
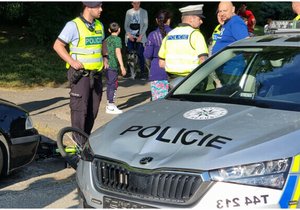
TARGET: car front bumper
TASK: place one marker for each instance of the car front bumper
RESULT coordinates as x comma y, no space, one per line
220,195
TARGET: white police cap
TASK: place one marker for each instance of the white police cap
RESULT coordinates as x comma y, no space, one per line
193,10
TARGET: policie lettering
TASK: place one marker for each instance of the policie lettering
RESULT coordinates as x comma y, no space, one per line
186,137
93,40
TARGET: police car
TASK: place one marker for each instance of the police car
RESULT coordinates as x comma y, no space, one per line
205,147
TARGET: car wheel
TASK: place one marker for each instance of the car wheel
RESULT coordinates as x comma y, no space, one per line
1,161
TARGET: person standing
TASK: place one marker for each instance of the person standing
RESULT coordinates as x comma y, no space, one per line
296,9
267,26
136,25
158,77
233,29
84,36
249,16
114,46
184,48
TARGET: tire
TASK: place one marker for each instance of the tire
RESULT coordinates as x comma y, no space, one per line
71,146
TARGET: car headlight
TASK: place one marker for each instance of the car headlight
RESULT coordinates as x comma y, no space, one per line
28,123
87,152
271,174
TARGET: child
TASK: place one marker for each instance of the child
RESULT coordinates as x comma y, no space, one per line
158,77
114,46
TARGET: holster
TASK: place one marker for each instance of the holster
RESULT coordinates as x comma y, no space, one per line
76,76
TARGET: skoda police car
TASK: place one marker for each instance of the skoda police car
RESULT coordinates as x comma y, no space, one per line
206,147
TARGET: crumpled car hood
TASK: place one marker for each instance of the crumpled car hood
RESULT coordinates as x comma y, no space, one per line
202,136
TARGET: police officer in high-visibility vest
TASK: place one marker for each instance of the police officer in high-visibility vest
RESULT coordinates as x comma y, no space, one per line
184,48
85,61
296,9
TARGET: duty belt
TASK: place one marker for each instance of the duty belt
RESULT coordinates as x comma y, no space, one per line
87,72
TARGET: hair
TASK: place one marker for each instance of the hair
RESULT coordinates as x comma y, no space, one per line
162,17
114,27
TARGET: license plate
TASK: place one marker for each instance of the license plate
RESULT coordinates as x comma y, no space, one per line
114,203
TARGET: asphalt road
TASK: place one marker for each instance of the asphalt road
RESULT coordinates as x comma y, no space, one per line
46,182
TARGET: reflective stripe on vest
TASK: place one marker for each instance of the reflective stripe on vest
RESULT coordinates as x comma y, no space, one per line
89,47
180,58
216,34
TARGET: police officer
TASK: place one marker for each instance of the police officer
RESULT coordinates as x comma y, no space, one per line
84,36
184,48
217,31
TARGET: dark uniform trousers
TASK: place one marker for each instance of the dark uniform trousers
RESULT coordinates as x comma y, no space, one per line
85,99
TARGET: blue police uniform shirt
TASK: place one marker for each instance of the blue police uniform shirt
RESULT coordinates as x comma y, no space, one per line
233,30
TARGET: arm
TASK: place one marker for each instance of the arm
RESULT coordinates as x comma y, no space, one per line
149,48
254,22
162,54
60,48
120,60
144,25
127,27
105,55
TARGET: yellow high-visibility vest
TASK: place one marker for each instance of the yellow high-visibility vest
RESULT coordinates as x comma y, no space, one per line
178,51
216,34
89,48
297,17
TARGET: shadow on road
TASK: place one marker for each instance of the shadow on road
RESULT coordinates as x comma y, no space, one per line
130,82
36,105
39,194
134,99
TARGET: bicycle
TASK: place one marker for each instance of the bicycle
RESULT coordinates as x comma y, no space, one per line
70,144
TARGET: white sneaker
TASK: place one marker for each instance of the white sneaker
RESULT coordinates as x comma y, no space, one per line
113,109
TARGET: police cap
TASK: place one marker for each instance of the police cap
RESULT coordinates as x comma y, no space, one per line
192,10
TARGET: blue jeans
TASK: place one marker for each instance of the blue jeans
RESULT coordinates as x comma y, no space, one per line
138,46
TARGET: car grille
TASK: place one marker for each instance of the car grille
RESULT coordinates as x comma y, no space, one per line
163,186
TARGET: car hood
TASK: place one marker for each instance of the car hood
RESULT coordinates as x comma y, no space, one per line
171,135
4,102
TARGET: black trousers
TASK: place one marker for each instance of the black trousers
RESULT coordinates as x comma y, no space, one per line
85,101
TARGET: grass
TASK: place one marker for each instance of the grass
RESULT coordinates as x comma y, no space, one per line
25,64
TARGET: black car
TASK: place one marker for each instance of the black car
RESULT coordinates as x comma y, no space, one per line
19,140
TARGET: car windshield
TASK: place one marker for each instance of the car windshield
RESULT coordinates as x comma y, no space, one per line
261,76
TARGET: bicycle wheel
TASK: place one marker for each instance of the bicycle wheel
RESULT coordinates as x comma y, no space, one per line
70,142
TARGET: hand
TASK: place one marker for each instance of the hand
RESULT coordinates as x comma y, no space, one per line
105,62
139,39
123,70
218,83
130,37
76,65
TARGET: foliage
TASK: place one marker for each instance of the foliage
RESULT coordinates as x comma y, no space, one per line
24,64
45,24
273,10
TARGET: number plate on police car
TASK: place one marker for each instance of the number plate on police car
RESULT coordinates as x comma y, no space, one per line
114,203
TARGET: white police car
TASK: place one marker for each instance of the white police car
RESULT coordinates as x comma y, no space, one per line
207,147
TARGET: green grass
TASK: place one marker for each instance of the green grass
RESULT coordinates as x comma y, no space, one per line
25,64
